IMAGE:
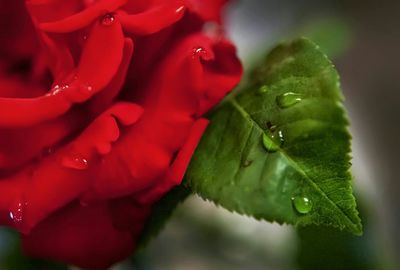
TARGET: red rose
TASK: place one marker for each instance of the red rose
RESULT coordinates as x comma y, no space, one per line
101,105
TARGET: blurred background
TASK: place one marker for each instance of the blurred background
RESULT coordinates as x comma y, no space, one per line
363,39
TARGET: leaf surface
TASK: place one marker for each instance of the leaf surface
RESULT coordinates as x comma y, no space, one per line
280,149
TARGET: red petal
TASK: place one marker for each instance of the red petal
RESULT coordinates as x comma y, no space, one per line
82,236
16,150
101,101
63,176
19,112
100,61
178,168
178,88
210,69
58,57
83,18
157,16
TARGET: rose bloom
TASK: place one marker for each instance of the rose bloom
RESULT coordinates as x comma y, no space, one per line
101,105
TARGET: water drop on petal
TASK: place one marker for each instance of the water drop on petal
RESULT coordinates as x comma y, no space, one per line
76,162
198,51
108,19
16,214
85,88
288,99
180,9
202,53
302,204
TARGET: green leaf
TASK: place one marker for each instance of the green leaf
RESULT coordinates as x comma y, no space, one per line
279,150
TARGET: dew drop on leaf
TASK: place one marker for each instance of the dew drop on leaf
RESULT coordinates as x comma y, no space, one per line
302,204
288,99
269,143
76,162
273,141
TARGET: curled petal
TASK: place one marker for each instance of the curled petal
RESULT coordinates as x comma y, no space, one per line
83,18
83,236
198,73
222,73
61,177
58,57
99,62
105,97
178,93
178,168
43,11
156,17
16,150
20,112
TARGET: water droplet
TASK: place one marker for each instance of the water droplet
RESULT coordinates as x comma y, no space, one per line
86,88
180,9
302,204
263,89
247,163
202,53
272,141
288,99
269,143
108,19
17,213
57,89
198,50
76,162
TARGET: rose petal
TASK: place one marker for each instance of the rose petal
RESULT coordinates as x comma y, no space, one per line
61,177
172,100
178,168
101,101
83,18
159,15
83,236
58,57
100,61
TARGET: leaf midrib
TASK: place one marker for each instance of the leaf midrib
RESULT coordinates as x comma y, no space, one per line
297,167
